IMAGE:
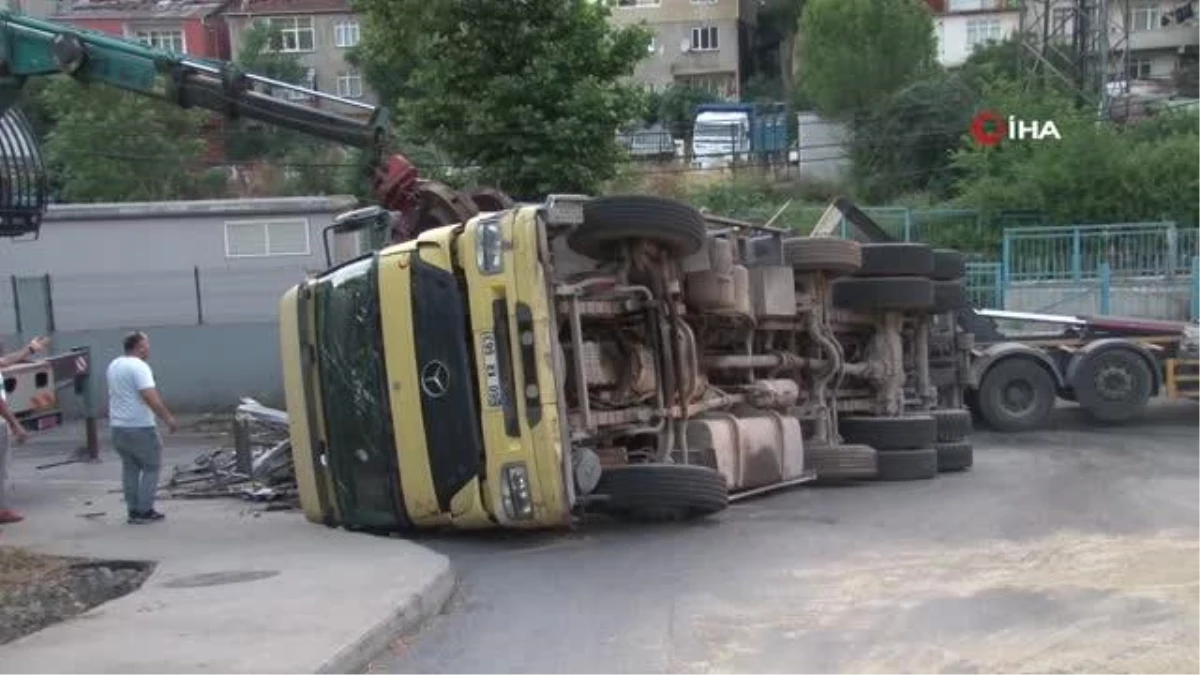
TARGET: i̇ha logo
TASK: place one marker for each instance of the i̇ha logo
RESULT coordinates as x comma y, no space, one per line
988,128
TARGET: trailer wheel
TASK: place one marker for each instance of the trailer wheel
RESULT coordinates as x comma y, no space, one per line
953,424
955,456
889,433
883,293
896,260
609,221
948,265
948,296
1016,394
662,492
897,465
1113,385
823,254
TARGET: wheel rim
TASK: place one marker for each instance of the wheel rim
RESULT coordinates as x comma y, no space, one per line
1114,383
1018,397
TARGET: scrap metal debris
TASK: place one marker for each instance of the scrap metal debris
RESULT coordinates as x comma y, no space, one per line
257,468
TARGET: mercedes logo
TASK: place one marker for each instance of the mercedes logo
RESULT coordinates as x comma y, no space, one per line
435,379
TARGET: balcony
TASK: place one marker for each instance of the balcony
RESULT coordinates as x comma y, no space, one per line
1170,37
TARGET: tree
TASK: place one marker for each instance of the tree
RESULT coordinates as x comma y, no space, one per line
111,145
248,140
852,53
772,76
532,93
904,144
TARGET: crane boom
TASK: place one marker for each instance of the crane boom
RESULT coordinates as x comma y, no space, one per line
32,47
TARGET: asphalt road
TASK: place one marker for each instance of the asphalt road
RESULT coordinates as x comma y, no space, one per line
1068,550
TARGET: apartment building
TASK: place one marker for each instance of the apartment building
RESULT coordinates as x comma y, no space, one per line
318,32
36,8
696,42
193,27
964,25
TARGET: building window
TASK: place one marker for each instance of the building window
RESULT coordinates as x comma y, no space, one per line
166,40
704,39
1139,69
704,2
1145,17
982,31
346,34
266,238
349,85
634,3
296,33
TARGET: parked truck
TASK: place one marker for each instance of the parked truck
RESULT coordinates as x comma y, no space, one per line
726,133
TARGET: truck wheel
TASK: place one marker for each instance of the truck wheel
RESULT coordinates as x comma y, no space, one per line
955,456
896,260
823,254
897,465
837,463
889,433
948,265
1015,395
883,293
953,424
948,296
609,221
662,492
1113,385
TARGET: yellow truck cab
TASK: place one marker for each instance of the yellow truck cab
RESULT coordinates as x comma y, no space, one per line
420,386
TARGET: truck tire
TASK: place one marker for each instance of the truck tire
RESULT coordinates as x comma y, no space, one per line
609,221
948,296
917,464
838,463
953,424
957,456
1016,394
882,293
823,254
1113,385
889,433
896,260
948,265
662,492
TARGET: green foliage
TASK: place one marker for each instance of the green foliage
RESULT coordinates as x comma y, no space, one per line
675,107
247,140
109,145
1097,173
853,52
769,71
532,93
904,143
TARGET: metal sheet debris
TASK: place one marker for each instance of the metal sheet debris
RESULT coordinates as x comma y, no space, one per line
258,468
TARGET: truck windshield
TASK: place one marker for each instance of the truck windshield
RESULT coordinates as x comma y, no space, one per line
353,381
716,132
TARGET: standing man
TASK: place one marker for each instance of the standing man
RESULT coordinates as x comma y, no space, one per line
133,401
12,427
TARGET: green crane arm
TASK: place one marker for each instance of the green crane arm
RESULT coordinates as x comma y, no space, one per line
31,48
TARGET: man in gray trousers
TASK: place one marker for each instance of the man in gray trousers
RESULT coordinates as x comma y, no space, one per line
133,401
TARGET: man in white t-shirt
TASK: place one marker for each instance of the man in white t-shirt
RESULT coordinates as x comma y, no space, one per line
12,426
133,402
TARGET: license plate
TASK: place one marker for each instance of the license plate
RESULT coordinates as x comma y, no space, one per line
491,370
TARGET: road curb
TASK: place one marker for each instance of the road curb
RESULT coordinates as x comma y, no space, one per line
409,617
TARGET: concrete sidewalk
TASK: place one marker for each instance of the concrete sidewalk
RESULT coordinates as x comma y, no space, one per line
316,599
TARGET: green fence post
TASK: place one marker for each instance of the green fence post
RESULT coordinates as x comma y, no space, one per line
1104,274
1076,254
1196,288
998,281
907,224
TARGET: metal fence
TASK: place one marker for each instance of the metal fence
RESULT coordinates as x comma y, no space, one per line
1079,252
190,296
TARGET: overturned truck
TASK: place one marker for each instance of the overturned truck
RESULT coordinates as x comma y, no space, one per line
625,355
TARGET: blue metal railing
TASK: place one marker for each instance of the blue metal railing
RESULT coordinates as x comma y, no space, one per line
1076,252
985,287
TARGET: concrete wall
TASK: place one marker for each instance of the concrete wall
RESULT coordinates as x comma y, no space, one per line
823,149
1154,299
197,368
